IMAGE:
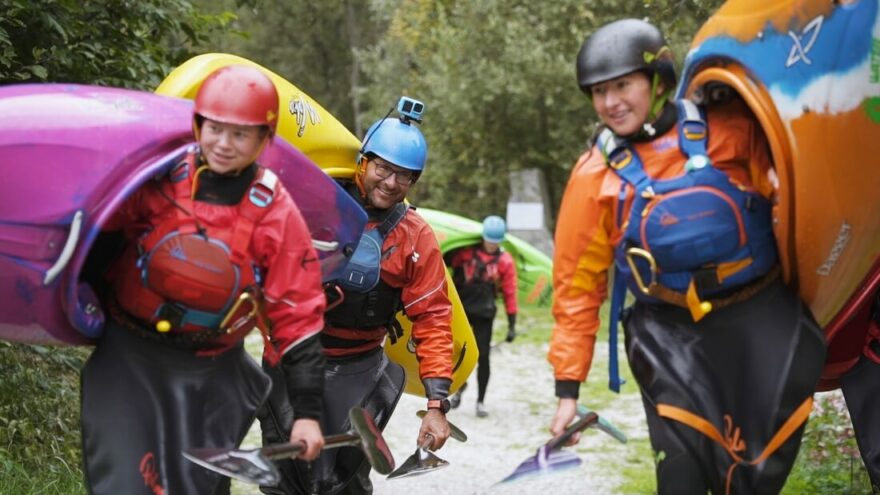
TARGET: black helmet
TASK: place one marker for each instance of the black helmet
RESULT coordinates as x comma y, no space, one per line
621,47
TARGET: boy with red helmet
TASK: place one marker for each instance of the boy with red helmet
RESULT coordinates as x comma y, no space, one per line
213,248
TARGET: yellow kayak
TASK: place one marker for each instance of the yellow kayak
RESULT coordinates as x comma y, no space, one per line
304,123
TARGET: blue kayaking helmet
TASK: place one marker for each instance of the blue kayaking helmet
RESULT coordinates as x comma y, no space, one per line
494,229
398,142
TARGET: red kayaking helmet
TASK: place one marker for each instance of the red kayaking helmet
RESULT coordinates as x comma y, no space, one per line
238,94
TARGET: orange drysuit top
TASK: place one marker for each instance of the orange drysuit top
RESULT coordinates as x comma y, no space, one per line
587,231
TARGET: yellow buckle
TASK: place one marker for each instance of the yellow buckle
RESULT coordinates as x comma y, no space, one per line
625,160
633,252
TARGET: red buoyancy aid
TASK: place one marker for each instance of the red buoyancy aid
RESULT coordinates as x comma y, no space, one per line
177,273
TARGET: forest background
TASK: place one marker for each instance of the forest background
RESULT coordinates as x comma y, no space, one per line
497,78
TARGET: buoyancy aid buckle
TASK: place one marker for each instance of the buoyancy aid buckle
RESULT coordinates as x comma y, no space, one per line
263,189
620,158
180,171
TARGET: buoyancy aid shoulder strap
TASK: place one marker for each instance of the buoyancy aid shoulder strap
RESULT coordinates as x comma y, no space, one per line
181,178
251,210
394,216
623,160
692,129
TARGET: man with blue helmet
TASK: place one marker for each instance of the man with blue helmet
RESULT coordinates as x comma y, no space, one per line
397,266
479,272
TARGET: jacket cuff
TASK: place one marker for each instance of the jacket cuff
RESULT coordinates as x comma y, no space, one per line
436,388
303,367
307,406
567,389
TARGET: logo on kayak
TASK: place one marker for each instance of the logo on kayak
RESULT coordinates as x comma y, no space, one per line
843,237
804,42
300,108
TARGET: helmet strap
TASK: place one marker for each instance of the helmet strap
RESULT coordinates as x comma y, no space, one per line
657,101
359,174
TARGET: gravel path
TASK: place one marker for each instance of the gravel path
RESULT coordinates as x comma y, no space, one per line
521,402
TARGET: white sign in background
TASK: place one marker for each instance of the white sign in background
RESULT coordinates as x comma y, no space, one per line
525,216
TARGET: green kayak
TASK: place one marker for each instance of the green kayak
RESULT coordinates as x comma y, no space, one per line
534,269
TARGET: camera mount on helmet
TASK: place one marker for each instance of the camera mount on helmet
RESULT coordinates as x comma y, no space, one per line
410,109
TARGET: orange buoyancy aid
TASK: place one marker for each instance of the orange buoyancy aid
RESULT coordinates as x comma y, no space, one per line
179,278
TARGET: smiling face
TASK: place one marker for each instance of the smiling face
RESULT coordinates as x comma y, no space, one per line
230,148
624,103
383,193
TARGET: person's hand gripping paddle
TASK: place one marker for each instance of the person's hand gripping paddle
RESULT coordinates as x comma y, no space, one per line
256,466
550,457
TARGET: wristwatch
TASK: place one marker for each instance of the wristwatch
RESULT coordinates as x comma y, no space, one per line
441,404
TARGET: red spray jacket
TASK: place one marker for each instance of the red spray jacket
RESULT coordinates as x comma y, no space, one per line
280,246
500,270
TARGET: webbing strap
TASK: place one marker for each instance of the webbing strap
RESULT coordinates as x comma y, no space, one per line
394,217
672,297
731,441
623,160
181,177
692,129
250,211
618,296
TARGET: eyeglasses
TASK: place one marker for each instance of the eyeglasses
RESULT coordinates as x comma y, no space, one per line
402,177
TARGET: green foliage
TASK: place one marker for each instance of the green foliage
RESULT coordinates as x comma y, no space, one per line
125,43
39,418
308,43
498,80
829,460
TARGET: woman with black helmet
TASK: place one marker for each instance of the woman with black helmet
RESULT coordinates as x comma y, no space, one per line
678,199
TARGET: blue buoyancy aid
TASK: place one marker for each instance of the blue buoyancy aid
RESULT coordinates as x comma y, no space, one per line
691,237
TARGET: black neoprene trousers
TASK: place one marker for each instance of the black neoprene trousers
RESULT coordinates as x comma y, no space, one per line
483,334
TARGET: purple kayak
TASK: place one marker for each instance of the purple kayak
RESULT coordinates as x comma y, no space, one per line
70,155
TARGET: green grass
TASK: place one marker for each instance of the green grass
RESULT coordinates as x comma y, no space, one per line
40,437
39,419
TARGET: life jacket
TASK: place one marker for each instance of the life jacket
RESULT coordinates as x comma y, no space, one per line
179,274
688,238
476,286
360,298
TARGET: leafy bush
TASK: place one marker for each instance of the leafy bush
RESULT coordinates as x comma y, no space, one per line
829,460
39,419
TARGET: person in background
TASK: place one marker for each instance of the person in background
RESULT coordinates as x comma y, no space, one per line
170,371
678,199
480,272
397,267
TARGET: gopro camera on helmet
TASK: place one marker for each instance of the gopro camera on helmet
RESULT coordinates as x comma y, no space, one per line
410,109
